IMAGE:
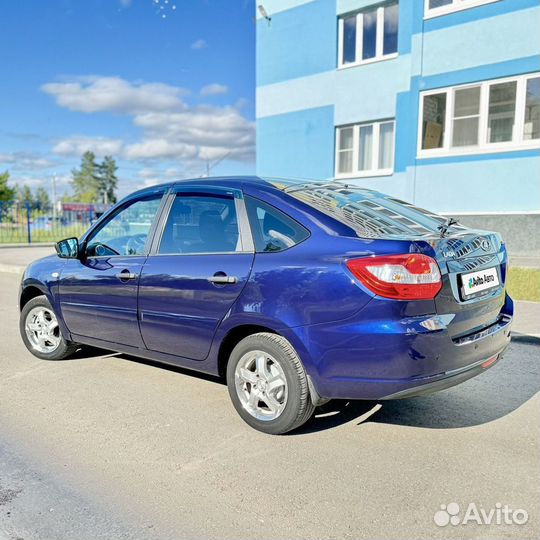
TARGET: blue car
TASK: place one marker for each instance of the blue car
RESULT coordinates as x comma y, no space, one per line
297,293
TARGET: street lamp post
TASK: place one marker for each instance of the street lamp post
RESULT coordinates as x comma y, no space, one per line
54,198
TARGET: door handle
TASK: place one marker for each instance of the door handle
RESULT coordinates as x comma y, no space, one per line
126,275
221,279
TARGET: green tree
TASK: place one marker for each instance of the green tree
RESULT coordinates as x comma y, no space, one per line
6,193
41,199
108,181
25,196
85,181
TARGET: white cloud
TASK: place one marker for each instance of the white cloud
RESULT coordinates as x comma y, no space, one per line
214,89
151,182
201,125
25,160
173,173
62,182
76,145
147,172
184,135
152,176
126,3
159,148
93,94
199,44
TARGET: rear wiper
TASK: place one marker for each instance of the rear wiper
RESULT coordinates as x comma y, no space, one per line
446,225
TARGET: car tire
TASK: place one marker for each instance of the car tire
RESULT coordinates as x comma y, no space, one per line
41,333
268,384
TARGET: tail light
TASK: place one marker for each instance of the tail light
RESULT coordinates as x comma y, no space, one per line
411,276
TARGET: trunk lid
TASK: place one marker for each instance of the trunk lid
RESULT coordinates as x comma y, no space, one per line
473,266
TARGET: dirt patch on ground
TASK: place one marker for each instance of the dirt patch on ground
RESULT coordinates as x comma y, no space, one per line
7,495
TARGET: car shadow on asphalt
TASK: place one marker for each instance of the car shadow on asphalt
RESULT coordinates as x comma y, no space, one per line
487,397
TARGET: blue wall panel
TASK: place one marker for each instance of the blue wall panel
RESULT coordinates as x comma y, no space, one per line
298,144
298,42
486,185
481,43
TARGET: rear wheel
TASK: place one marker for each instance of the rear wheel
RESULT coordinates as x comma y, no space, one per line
41,333
268,384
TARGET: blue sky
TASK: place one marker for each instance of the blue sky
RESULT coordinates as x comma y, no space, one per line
165,86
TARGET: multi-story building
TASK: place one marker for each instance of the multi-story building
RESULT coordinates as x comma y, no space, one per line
433,101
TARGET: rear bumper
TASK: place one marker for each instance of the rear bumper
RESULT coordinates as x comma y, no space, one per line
397,359
447,381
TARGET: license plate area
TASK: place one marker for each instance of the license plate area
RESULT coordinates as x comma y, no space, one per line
479,283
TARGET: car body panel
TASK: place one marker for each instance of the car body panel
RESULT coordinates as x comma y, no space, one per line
383,352
95,302
180,309
42,275
353,344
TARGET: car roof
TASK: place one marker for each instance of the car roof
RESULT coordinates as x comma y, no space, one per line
237,182
233,182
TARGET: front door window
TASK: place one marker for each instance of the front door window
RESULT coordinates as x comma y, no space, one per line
126,232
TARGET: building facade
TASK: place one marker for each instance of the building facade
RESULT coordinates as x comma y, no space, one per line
435,102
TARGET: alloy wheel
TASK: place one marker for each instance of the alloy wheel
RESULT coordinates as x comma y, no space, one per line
42,330
261,385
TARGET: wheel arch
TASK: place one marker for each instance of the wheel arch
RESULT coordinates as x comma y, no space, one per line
232,338
241,331
30,291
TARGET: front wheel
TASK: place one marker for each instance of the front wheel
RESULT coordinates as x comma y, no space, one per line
41,333
268,384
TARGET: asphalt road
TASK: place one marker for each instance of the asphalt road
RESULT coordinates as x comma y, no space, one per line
106,446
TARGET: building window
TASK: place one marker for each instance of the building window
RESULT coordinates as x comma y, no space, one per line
488,116
365,149
434,8
368,36
531,123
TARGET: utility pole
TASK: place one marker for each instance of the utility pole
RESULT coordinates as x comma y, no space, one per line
210,166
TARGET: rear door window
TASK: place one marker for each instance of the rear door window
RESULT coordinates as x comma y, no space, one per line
272,229
201,224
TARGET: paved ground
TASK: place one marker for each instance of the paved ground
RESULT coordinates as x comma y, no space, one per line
15,258
104,446
527,318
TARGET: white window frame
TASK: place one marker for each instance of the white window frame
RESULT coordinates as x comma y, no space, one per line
374,171
379,38
456,5
483,147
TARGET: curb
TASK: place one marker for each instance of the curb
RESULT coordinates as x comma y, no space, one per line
33,245
530,339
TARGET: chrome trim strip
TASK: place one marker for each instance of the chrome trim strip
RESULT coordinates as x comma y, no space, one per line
498,326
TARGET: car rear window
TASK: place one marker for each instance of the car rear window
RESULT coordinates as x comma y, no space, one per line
369,213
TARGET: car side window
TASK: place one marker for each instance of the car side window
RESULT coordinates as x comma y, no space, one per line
201,224
272,229
126,231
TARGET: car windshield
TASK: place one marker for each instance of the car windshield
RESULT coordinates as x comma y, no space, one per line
369,213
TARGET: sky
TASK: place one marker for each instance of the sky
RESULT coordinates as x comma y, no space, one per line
166,87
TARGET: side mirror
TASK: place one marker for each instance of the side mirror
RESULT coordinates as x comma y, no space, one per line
68,248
